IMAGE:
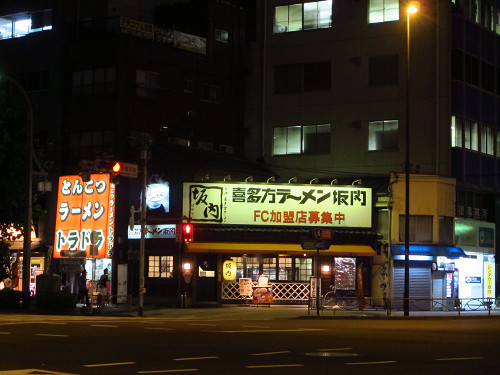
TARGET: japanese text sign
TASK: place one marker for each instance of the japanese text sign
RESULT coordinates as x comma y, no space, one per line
280,205
85,219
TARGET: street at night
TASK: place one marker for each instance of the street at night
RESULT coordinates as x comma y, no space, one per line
217,341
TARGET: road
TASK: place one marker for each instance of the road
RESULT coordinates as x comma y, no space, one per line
37,344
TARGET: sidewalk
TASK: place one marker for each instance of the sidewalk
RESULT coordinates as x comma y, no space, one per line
248,312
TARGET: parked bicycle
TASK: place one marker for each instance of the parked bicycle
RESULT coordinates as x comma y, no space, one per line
341,299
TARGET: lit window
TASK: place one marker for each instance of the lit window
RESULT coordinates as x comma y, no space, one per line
304,268
309,139
383,11
285,269
161,266
269,268
487,146
456,131
303,16
383,135
21,24
221,36
471,136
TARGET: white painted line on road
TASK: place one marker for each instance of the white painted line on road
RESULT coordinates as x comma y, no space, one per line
50,335
272,353
5,333
201,324
103,325
110,364
168,371
273,366
272,330
458,359
256,326
194,358
370,363
56,323
333,349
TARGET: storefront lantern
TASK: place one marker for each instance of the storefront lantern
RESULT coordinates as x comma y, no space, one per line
229,270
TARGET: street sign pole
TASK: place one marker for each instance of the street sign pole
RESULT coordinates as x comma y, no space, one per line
318,280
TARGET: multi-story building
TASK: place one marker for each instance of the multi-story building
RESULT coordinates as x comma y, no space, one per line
331,99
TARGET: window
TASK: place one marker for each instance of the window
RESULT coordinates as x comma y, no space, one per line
21,24
446,230
221,36
161,266
285,269
91,144
487,145
303,16
146,83
210,93
471,135
252,268
420,228
239,266
295,78
456,131
309,139
383,70
269,268
188,85
303,267
488,76
498,143
383,11
471,70
383,135
93,81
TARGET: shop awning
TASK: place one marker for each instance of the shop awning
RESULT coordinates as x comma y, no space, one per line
275,248
430,250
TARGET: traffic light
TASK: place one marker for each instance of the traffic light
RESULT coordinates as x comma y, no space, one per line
117,167
187,232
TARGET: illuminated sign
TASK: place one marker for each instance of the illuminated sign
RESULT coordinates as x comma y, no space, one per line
489,275
473,279
229,270
265,204
154,231
85,219
158,195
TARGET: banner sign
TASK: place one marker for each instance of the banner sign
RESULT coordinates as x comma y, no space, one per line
278,205
85,219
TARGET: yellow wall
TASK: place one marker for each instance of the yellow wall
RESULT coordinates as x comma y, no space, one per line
429,195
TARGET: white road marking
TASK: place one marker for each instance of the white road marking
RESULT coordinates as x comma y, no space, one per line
56,323
273,366
194,358
458,359
201,324
110,364
272,353
256,326
5,333
370,363
29,371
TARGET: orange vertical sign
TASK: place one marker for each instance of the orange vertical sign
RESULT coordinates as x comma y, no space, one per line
85,220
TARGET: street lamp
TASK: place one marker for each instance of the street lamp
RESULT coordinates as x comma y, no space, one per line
412,8
29,199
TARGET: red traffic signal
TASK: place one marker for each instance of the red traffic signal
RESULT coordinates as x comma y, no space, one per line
117,167
187,232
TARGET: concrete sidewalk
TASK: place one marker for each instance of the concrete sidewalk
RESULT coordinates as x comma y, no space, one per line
249,312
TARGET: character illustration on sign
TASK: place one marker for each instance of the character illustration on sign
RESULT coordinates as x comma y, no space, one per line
158,194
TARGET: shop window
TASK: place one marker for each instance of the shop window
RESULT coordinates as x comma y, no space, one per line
160,266
239,266
420,228
304,268
269,268
285,269
252,268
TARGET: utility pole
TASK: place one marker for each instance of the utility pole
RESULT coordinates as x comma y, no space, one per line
142,246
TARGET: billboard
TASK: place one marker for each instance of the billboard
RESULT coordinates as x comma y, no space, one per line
85,218
278,205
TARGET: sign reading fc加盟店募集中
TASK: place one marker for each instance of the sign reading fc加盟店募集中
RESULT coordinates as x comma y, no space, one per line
85,219
265,204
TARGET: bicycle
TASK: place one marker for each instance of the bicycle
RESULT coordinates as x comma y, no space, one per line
341,299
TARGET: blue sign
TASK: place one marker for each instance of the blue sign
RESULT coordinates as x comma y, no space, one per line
473,279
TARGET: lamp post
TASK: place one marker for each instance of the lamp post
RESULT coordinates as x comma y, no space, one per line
412,8
29,199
